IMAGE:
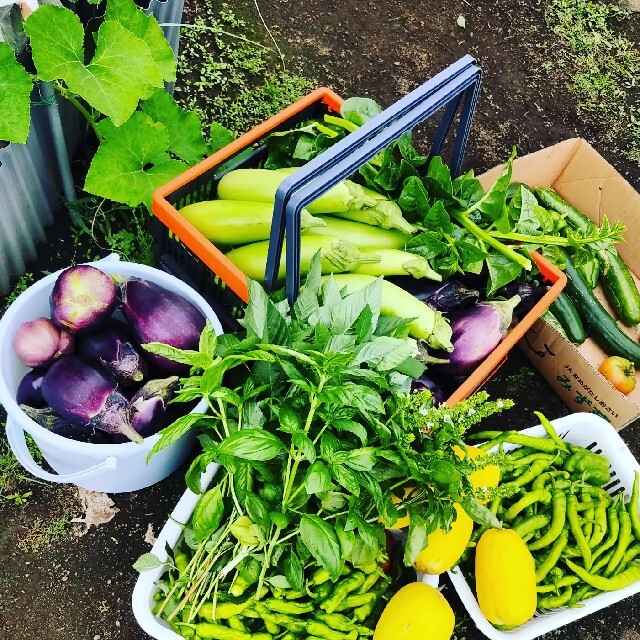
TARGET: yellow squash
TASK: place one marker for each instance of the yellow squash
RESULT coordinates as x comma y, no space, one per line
443,549
505,579
483,478
416,612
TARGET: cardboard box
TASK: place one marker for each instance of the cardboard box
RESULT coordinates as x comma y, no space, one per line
587,181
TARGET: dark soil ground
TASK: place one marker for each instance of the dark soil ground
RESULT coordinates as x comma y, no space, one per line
79,587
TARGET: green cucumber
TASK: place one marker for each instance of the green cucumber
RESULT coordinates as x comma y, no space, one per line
600,325
565,313
590,271
617,281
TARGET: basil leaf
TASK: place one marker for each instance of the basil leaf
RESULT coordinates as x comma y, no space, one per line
320,538
346,478
318,478
416,541
344,424
247,532
293,571
148,561
207,514
257,511
303,442
362,459
333,501
480,514
252,444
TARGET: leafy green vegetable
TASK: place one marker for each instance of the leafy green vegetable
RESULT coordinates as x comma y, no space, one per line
15,89
132,161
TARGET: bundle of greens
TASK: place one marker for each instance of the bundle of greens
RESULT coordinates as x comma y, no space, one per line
322,447
463,228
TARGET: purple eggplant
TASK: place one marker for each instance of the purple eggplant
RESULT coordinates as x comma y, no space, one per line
111,345
39,342
149,406
529,292
476,333
155,314
87,396
427,382
448,297
30,389
50,420
82,299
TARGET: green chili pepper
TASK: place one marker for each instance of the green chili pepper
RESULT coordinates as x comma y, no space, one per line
342,590
494,442
273,620
551,432
599,524
548,476
341,623
370,581
320,576
624,540
634,506
323,631
571,552
530,525
589,515
576,530
289,636
222,611
559,511
628,576
261,636
355,601
613,525
541,444
555,602
553,556
235,623
323,591
484,435
527,500
592,466
631,553
602,562
530,459
579,596
522,452
534,471
565,581
219,632
182,561
295,608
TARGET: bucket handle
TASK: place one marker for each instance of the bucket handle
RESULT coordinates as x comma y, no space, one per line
18,444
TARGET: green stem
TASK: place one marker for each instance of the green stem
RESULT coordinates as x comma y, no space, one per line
558,241
65,93
484,236
267,559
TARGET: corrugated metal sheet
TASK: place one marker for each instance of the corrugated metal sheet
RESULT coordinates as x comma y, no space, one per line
29,191
30,188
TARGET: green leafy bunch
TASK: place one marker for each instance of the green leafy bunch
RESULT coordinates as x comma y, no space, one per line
145,137
311,418
464,229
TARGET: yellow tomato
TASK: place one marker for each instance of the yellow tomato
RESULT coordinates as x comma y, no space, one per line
483,478
416,612
443,550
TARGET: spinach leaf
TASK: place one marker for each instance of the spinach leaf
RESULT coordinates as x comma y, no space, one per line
359,110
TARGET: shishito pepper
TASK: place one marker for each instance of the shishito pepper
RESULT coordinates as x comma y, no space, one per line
593,465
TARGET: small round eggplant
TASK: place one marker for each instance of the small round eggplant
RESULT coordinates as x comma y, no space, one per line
39,342
476,333
111,345
149,406
155,314
83,297
87,396
448,297
47,418
30,389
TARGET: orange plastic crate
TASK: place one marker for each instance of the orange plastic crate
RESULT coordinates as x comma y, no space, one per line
183,250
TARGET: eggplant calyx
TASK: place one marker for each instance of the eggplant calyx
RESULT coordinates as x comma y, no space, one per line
505,310
426,358
115,418
420,268
46,417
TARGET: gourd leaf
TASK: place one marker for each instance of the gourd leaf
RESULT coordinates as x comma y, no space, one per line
132,161
113,82
185,131
146,27
15,88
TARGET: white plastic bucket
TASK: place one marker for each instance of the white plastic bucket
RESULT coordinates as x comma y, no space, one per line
110,468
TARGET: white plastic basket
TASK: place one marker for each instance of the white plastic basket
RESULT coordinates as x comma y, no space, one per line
146,587
594,433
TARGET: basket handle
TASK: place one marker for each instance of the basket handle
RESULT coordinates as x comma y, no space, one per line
460,80
18,444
